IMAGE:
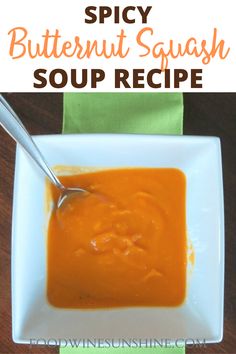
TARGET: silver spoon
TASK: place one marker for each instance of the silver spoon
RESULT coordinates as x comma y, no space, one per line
13,125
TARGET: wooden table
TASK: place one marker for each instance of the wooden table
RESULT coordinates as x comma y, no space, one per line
205,114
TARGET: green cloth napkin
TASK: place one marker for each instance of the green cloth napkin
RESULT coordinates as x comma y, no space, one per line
122,350
143,113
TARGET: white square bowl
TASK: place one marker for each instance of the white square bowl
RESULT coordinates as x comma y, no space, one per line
201,315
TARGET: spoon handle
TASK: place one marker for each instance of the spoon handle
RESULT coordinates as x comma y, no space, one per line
15,128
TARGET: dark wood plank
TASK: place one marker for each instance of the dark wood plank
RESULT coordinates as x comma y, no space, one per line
215,114
205,114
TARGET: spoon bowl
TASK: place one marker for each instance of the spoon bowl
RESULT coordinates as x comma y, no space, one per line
67,193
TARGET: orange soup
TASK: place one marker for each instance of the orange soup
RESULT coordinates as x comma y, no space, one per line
123,244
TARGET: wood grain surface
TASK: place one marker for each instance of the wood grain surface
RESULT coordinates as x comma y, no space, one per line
205,114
